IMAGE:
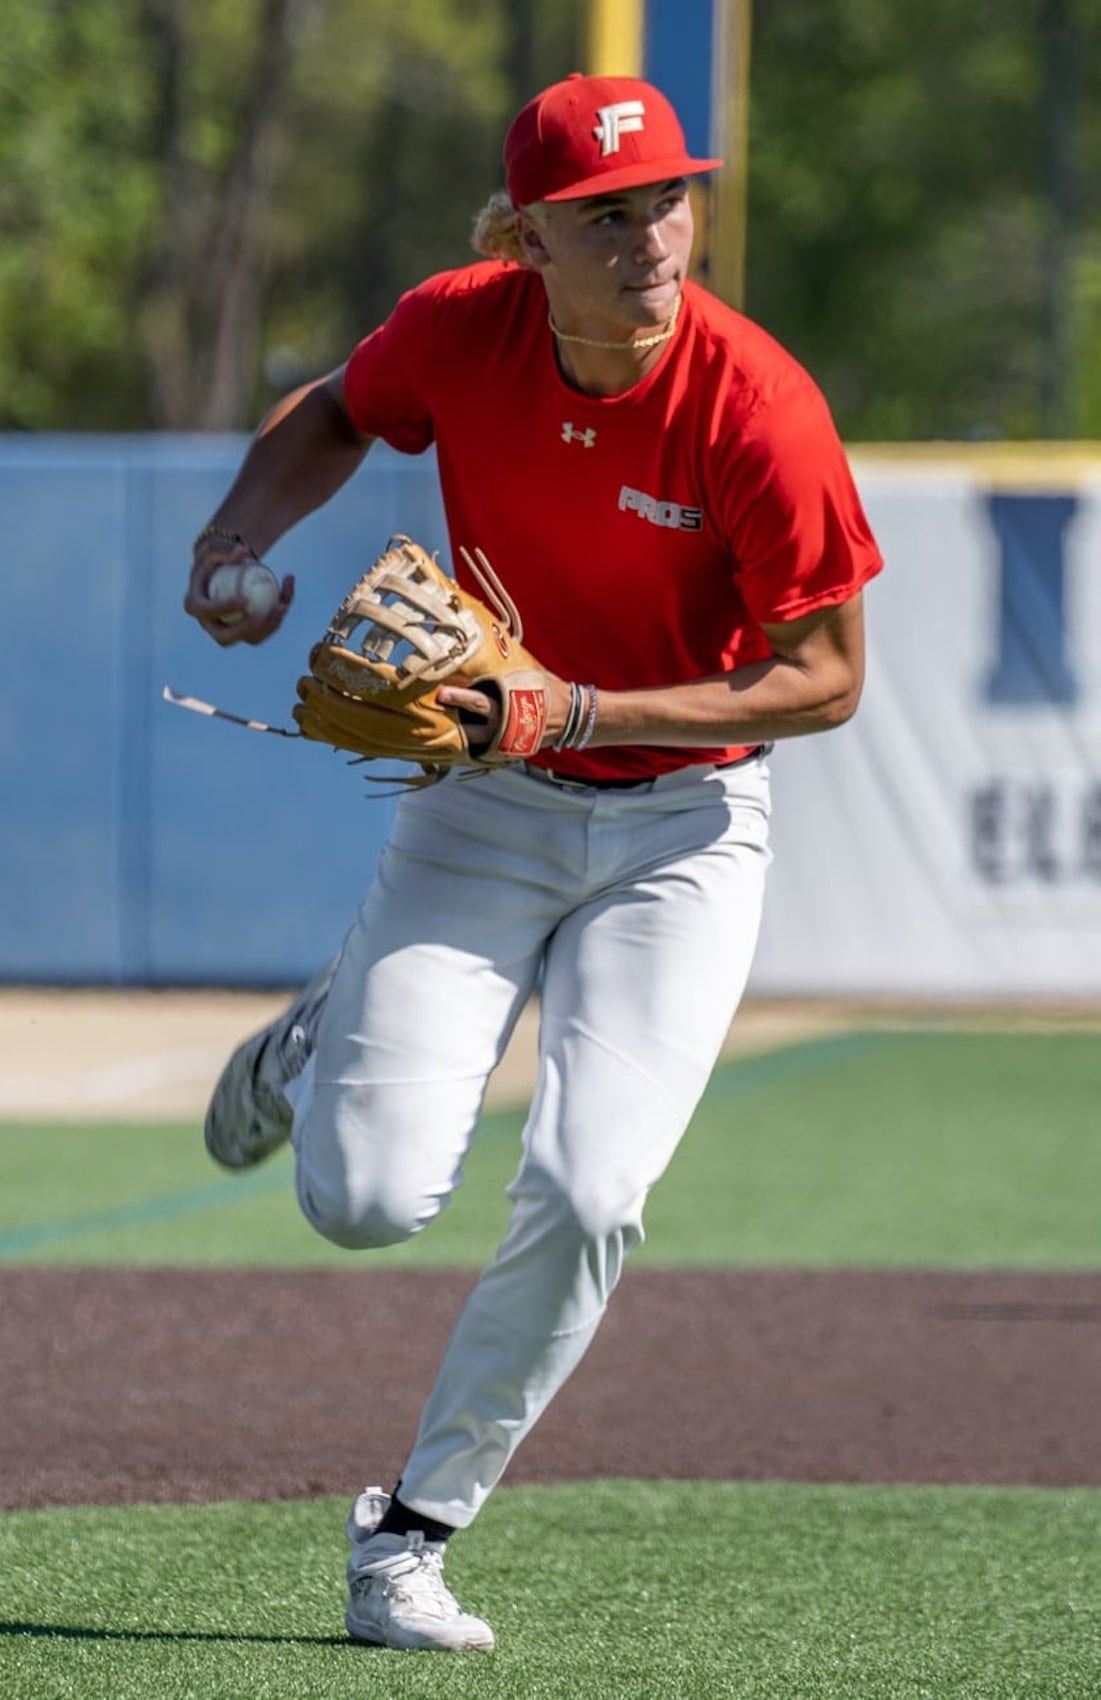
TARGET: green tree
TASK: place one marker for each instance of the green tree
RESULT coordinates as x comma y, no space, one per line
902,210
412,125
77,206
205,201
201,200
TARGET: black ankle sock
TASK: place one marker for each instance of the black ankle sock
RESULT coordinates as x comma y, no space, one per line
399,1520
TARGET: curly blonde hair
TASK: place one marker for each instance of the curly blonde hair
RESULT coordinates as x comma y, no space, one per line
496,230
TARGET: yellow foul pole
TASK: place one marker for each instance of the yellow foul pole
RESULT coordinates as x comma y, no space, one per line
731,42
616,38
617,47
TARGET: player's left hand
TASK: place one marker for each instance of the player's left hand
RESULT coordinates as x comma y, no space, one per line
406,631
478,703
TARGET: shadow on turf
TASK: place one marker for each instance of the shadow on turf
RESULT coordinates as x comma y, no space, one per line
69,1632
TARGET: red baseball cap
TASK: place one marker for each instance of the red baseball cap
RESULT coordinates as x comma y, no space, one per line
592,135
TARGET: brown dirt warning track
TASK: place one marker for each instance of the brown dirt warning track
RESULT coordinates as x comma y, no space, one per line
134,1385
129,1385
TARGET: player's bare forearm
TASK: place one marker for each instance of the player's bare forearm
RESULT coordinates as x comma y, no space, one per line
303,452
810,683
754,705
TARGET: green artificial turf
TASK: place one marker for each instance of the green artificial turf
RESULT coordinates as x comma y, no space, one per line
877,1149
652,1590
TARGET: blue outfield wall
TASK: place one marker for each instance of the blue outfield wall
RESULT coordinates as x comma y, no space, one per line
140,843
956,843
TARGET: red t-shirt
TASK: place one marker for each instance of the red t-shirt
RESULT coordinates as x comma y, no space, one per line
643,536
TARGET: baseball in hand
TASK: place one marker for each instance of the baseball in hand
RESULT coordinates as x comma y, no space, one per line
250,580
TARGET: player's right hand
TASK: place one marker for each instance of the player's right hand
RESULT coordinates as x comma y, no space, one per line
214,552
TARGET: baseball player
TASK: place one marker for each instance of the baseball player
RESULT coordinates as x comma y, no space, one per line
661,491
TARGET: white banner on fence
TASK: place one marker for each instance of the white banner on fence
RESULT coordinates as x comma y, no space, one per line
948,840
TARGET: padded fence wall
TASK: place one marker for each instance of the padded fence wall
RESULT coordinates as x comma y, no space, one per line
948,841
141,843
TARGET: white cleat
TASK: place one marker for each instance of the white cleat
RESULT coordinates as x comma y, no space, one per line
248,1117
397,1596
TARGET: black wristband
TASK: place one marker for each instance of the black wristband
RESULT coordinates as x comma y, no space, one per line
222,535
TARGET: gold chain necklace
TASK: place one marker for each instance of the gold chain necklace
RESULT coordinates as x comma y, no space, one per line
642,343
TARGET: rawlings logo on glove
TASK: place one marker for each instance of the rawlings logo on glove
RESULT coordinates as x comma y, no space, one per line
404,630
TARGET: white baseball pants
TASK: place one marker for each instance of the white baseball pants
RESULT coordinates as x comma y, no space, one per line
641,908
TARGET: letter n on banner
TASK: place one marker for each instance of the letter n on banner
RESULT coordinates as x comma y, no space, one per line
1031,666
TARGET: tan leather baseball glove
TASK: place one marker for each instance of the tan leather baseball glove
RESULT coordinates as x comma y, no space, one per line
403,630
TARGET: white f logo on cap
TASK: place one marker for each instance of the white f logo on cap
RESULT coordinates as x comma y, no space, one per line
616,121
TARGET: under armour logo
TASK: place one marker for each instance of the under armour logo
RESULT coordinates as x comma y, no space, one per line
587,437
616,121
